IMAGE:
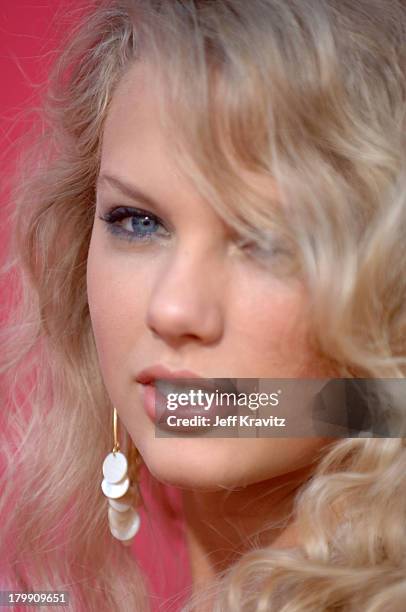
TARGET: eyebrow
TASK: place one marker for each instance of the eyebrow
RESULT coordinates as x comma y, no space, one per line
127,189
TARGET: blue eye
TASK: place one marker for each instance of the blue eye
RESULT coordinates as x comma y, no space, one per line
134,224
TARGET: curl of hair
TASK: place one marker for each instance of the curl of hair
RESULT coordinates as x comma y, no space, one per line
310,93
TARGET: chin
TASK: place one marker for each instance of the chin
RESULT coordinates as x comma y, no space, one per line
212,464
191,463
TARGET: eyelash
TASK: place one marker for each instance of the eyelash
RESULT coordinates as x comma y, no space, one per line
113,218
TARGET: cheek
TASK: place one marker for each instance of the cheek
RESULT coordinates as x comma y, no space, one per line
274,329
116,307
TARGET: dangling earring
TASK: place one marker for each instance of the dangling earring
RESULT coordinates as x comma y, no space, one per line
120,486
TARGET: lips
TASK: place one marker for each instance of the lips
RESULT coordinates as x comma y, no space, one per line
188,378
150,374
162,380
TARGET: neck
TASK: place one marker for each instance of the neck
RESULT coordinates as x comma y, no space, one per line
222,525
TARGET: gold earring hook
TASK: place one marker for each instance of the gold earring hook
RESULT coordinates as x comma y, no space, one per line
116,446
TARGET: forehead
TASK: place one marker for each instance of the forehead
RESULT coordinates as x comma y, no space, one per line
132,132
136,145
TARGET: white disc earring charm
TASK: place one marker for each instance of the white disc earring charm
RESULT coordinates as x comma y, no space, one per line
121,520
114,491
122,504
128,531
115,467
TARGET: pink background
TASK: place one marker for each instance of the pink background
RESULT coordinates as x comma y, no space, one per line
28,42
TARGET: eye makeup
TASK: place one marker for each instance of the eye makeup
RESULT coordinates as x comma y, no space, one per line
134,224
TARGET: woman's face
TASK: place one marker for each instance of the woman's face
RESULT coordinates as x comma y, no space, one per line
188,298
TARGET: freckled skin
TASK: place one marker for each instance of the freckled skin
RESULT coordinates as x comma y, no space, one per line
193,301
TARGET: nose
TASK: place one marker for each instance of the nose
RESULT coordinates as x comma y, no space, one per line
187,300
